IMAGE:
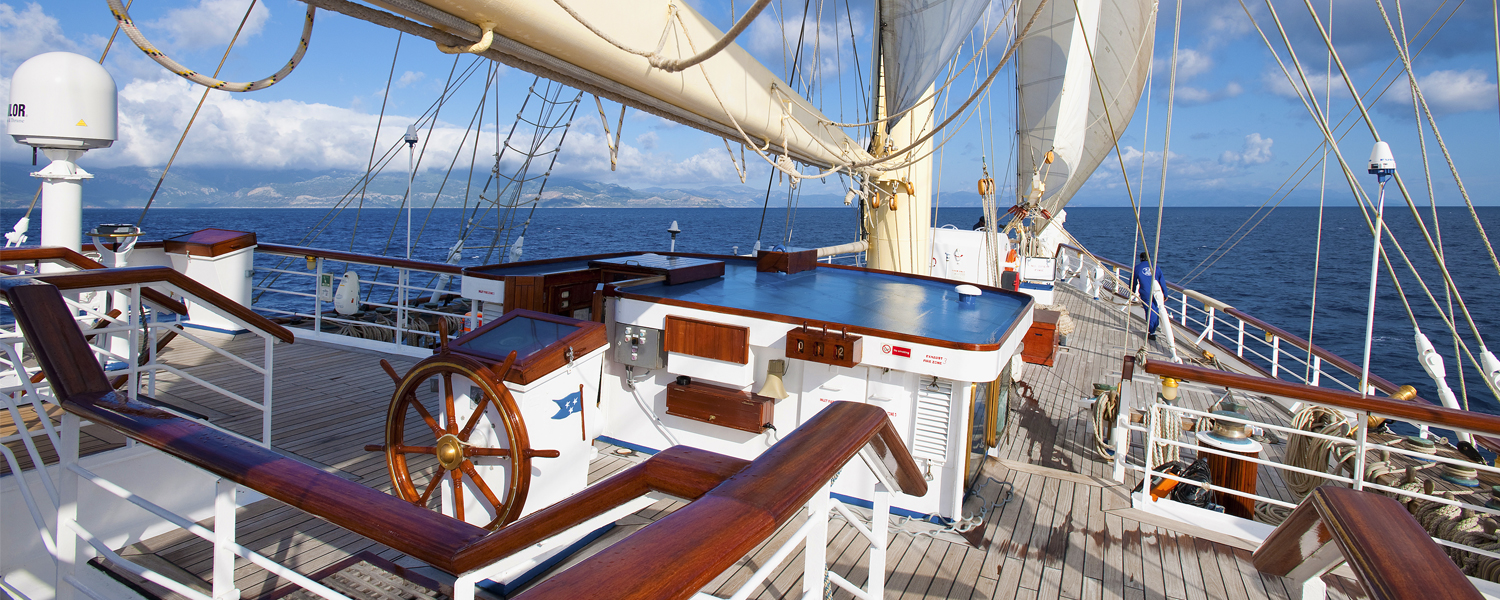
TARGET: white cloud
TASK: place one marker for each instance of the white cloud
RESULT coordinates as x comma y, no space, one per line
826,40
27,33
210,23
1257,151
1190,63
647,140
1193,95
1447,92
409,78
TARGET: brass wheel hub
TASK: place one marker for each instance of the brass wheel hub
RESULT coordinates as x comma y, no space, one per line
450,452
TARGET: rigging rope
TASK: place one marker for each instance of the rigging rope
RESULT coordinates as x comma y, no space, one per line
673,65
1166,145
1363,200
122,16
1418,98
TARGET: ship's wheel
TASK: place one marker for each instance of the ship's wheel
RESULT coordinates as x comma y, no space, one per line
458,411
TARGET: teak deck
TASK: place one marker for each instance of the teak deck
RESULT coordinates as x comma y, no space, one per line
1067,532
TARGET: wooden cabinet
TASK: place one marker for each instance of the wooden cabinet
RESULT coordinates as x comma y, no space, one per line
719,405
1040,345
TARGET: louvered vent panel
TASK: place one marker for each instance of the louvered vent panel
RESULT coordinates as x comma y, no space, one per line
930,438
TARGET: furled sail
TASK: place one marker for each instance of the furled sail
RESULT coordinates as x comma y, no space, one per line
917,38
726,94
1061,105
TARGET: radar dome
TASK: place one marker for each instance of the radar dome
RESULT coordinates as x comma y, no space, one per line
62,100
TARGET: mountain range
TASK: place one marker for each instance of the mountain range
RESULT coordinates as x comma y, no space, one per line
199,187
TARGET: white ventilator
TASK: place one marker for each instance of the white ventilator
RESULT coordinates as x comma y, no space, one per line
17,236
1432,362
346,299
1491,365
454,254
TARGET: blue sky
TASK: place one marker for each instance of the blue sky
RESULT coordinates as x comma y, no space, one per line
1237,132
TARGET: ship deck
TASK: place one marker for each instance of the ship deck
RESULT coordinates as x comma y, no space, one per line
1066,532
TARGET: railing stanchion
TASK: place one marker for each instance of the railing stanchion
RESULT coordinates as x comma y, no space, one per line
318,296
1275,355
1209,329
1317,370
224,536
67,508
880,535
815,552
1362,437
1184,310
1240,342
266,388
1152,415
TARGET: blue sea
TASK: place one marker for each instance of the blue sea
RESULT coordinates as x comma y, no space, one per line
1268,273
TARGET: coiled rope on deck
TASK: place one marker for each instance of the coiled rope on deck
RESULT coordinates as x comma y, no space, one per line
123,17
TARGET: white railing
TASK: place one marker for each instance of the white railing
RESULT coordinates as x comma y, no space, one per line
1217,326
395,311
118,341
1359,461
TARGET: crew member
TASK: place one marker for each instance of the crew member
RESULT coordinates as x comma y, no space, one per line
1142,280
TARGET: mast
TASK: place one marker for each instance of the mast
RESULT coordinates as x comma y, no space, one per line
900,210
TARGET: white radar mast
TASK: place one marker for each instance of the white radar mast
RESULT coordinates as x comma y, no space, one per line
64,105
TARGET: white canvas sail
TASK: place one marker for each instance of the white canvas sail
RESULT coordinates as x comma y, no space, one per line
917,39
1061,105
729,93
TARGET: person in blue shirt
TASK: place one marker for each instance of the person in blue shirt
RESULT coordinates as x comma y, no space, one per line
1142,280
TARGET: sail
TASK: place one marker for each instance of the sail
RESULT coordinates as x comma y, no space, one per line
1061,105
917,39
726,94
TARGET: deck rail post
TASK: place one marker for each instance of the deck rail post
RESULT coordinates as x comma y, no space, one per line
1317,370
1209,329
401,324
318,295
1275,355
815,552
1122,419
1240,342
67,508
224,544
880,535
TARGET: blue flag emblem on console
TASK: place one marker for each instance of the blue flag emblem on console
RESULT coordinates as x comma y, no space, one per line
568,405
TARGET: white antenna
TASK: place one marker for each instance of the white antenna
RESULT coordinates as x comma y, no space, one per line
411,167
1383,166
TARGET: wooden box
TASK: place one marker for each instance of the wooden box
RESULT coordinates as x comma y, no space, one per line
719,405
716,341
1040,345
786,262
836,348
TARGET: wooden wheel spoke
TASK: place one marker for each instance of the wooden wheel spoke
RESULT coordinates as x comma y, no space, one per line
416,449
432,423
474,418
484,488
431,485
458,494
448,403
477,451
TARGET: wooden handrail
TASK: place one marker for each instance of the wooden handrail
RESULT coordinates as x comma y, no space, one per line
150,275
1390,554
81,262
689,548
1413,411
383,261
730,497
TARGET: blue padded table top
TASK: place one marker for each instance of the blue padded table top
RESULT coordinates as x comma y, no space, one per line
868,299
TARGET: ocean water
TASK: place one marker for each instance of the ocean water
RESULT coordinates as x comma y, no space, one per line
1269,273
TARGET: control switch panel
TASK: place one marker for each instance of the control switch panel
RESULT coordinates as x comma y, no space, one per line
639,347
